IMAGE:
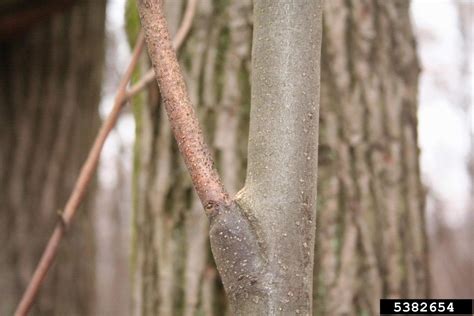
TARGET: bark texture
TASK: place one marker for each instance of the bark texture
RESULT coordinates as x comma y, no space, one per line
370,228
371,240
49,95
174,271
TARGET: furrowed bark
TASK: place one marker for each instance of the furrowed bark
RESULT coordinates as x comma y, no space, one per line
260,276
371,239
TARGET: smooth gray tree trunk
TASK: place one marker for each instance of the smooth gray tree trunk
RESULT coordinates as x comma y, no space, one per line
280,188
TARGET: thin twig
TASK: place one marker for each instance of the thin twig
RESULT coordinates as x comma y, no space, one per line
141,84
80,187
178,40
186,24
181,113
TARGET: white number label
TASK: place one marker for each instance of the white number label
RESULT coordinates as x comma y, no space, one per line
397,308
420,307
424,307
451,307
406,307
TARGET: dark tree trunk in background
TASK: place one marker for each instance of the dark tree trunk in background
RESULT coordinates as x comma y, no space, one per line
371,239
50,79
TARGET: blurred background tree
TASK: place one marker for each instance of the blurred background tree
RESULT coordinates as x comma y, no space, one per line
51,61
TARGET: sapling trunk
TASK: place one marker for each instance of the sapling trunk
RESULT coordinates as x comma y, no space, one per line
262,240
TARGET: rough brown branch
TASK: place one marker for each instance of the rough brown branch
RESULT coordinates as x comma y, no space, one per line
178,40
181,113
80,188
234,242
